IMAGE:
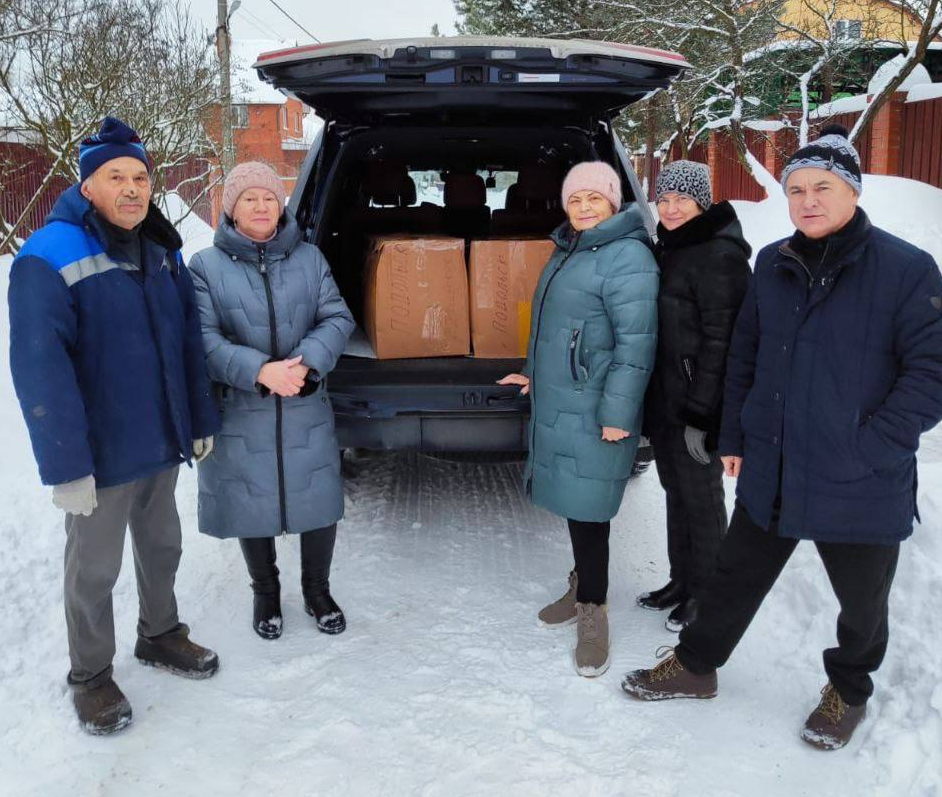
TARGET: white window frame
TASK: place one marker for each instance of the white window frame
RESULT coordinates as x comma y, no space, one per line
240,116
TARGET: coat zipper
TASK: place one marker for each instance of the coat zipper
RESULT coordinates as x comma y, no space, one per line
536,338
781,442
279,451
573,347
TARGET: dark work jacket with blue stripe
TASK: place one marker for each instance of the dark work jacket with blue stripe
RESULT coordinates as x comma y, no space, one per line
107,363
832,377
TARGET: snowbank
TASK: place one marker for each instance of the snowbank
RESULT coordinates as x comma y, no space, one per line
195,232
907,208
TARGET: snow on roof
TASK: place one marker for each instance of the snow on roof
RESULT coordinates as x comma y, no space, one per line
890,69
843,105
924,91
247,88
766,125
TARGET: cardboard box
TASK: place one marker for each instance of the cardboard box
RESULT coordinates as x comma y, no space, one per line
416,298
503,276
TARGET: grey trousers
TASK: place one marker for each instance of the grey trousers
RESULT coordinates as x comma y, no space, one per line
93,551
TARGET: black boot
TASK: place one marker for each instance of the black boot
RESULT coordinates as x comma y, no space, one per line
259,553
672,593
317,551
323,608
682,616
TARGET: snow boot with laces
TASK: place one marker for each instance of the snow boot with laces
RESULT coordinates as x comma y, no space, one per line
833,722
592,649
668,680
561,612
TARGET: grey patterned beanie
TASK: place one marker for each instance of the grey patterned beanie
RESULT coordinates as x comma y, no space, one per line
685,177
831,152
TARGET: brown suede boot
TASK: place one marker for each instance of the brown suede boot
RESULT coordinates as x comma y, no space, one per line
668,680
563,611
832,723
100,705
592,650
176,653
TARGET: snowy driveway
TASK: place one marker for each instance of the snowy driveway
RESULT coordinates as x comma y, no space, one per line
444,684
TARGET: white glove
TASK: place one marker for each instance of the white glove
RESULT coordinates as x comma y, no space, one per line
696,444
76,497
202,448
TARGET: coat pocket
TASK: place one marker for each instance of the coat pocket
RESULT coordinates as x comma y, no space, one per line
577,370
686,367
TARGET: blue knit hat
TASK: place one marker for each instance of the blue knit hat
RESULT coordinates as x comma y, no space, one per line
114,140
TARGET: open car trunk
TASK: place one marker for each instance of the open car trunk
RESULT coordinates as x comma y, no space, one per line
405,118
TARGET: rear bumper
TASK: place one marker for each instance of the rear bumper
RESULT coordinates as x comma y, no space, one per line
485,431
432,404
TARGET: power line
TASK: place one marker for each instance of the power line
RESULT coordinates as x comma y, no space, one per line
299,25
264,26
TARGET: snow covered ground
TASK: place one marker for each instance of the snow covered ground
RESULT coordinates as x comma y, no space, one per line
443,683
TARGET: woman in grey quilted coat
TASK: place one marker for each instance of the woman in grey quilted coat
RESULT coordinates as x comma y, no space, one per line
274,325
592,340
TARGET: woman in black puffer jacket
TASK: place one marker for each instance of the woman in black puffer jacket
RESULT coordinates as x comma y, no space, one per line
704,262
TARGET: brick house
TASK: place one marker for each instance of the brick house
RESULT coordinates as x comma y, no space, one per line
267,125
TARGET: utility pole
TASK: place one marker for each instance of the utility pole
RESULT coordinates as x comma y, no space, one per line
222,49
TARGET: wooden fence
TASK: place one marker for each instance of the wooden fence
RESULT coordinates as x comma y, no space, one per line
24,167
22,171
921,141
904,139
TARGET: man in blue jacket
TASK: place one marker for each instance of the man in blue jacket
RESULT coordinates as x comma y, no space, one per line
107,360
834,372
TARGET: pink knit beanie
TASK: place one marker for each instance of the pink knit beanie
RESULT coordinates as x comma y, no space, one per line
253,174
593,176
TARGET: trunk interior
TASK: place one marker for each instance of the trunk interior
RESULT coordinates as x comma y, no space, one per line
469,182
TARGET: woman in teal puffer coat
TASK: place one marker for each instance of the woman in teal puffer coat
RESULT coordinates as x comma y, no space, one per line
593,336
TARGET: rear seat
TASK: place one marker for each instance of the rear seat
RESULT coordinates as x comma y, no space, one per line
466,211
533,206
392,192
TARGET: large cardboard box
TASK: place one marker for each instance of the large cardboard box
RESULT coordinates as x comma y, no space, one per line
503,276
416,299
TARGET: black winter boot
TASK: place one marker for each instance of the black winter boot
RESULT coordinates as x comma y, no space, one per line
324,609
317,551
259,553
682,615
672,593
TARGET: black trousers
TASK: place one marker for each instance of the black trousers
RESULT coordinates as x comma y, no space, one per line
750,561
696,508
317,553
590,551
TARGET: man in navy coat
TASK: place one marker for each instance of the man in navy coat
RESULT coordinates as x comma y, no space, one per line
834,372
108,365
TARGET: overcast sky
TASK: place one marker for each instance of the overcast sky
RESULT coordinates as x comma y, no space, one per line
333,20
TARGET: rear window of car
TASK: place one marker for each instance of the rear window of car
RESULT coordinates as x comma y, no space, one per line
430,187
